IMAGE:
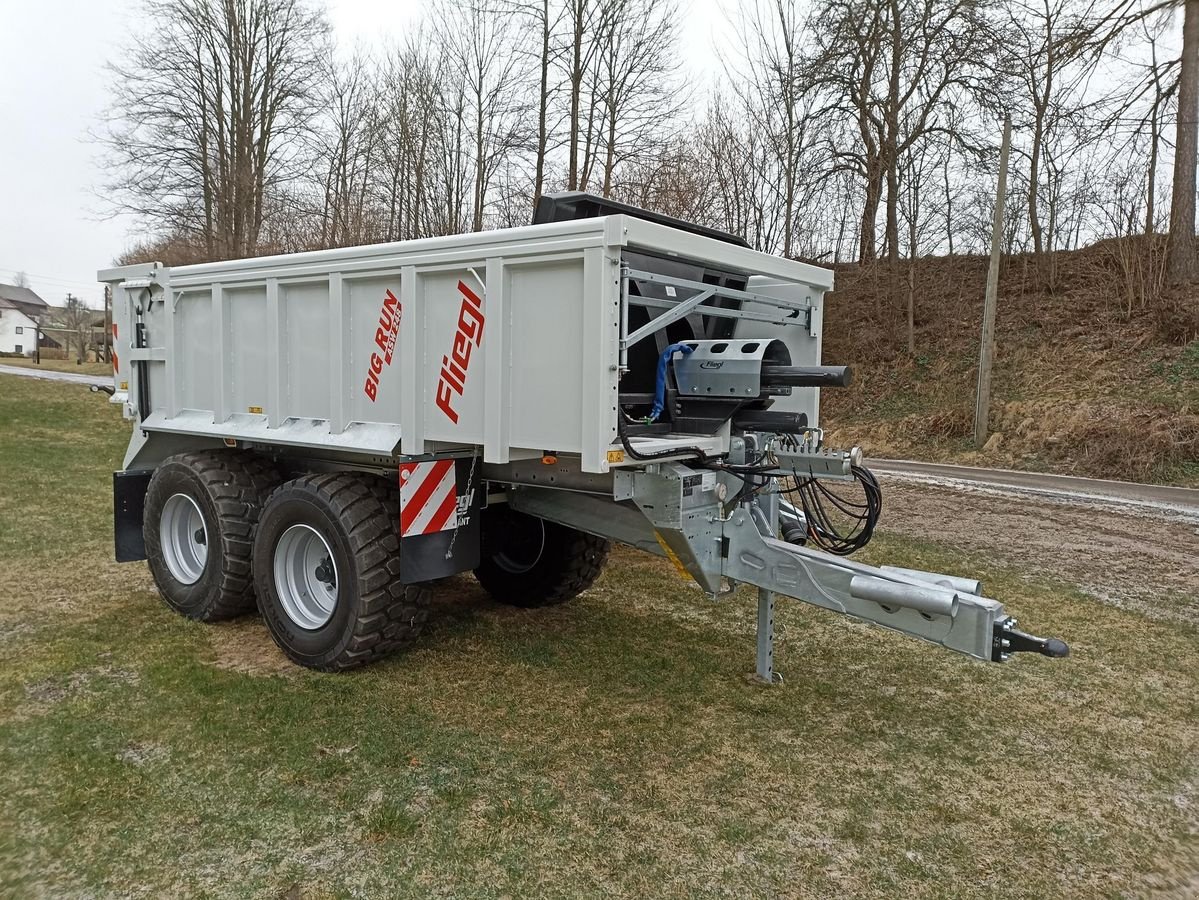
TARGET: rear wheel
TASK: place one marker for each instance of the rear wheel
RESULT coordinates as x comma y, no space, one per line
327,568
530,562
200,515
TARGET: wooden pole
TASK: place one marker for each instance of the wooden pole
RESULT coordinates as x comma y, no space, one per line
986,352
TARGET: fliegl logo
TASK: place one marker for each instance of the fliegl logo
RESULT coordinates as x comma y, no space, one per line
464,504
454,366
390,314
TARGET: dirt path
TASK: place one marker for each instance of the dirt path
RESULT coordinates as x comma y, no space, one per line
1135,558
52,375
1047,485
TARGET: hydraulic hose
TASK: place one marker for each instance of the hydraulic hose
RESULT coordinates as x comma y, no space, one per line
660,384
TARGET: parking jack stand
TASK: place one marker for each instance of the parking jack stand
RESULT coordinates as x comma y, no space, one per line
765,670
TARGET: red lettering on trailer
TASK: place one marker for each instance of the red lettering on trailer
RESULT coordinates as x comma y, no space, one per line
390,314
451,380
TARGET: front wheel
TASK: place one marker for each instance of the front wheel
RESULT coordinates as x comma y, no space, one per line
530,562
327,570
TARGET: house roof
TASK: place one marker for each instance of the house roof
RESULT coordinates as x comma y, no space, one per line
23,299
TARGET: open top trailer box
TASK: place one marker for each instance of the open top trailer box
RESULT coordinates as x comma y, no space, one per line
508,402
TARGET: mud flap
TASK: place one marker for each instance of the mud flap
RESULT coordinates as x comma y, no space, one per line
440,505
128,511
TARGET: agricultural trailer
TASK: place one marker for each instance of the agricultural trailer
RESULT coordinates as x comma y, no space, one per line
323,435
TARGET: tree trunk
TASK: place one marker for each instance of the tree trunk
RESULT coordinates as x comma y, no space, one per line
1180,265
1151,187
867,251
576,86
1034,175
542,104
893,231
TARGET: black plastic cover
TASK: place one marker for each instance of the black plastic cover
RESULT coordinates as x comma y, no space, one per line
569,205
128,510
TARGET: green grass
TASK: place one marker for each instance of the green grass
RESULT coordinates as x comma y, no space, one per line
611,746
60,365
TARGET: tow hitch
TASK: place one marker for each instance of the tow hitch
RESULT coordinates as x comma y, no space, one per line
1009,639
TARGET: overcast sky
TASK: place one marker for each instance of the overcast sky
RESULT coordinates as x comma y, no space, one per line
53,89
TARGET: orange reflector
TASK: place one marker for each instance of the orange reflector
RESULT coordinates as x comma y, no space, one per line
548,460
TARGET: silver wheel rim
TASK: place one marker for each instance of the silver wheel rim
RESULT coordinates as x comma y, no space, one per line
184,538
305,577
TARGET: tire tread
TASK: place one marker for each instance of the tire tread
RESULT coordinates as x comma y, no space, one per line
390,613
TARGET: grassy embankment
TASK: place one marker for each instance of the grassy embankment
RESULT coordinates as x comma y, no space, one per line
1089,379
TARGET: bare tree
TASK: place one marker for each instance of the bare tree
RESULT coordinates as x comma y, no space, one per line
201,136
481,41
893,68
21,280
346,151
774,95
583,21
77,319
638,97
1048,52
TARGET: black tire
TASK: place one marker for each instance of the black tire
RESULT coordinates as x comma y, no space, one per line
529,562
373,613
228,489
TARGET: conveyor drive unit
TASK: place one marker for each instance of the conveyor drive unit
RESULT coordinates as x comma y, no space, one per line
323,434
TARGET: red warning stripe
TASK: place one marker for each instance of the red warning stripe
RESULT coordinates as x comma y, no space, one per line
447,511
418,484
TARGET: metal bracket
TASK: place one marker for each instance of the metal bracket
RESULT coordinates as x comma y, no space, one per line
791,313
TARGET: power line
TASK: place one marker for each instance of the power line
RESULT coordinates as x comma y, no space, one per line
64,281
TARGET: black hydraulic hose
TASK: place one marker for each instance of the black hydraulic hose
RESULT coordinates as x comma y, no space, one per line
685,452
143,381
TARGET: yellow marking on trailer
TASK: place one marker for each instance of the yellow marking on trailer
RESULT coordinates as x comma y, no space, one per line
257,410
615,456
673,557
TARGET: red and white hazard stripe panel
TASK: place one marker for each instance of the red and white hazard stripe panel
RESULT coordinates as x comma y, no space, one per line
428,497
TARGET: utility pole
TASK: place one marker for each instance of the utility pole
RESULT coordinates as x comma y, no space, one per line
986,352
70,322
1180,256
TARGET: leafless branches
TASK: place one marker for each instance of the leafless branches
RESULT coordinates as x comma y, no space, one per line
840,129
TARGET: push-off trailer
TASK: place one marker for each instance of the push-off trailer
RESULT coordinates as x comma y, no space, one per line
326,433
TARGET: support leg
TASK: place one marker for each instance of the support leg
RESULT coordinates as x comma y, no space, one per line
765,669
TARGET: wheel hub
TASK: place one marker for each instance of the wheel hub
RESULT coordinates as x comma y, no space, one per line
305,577
183,535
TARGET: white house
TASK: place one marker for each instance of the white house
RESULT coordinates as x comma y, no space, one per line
20,310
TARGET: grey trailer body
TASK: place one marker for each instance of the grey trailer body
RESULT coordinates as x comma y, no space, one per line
505,402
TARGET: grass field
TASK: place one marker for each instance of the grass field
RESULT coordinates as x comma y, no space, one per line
60,365
613,746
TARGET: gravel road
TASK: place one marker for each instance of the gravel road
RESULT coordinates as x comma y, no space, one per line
1141,557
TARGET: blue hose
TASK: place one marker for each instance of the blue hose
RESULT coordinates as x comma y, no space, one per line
660,386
